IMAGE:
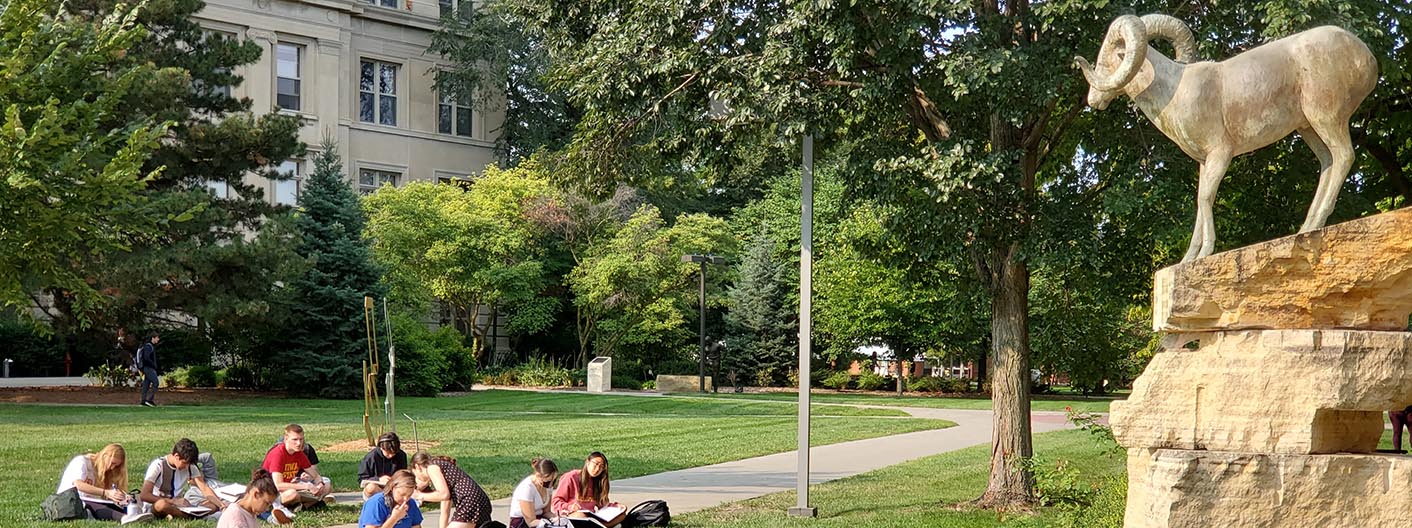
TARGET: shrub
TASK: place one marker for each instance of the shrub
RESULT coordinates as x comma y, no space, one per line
839,380
539,372
1105,509
112,376
870,380
242,376
927,384
649,385
175,377
33,354
765,377
200,376
502,377
1060,485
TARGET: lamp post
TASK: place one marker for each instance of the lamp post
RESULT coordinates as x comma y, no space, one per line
703,260
806,316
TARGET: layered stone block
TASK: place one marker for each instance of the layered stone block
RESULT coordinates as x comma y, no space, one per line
1357,274
1172,488
1268,391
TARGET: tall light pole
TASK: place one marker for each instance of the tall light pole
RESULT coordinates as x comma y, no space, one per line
806,303
703,260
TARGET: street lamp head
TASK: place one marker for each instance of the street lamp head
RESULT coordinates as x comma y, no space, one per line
691,258
708,259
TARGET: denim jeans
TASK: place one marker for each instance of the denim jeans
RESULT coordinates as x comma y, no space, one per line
149,385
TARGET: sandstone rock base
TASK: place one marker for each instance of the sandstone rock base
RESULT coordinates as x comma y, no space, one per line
1169,488
1352,275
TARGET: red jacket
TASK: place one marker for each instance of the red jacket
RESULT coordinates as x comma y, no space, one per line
566,496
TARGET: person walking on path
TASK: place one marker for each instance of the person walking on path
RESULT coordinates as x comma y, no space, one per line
146,362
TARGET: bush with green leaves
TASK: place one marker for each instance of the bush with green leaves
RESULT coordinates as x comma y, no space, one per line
32,353
111,376
839,380
1060,485
1105,509
870,380
539,372
241,376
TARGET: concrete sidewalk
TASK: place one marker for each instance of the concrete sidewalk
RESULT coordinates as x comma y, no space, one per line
75,381
699,488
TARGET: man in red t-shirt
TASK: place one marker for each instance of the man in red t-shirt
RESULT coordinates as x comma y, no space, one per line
298,481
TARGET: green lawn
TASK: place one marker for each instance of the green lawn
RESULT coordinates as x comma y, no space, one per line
1038,403
493,434
921,493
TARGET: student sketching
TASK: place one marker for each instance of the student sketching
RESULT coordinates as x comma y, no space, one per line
101,479
259,496
529,505
380,463
168,475
585,490
393,507
463,503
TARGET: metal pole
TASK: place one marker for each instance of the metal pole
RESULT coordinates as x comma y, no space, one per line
702,333
806,291
391,403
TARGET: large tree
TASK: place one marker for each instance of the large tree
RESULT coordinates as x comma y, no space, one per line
69,184
324,337
217,261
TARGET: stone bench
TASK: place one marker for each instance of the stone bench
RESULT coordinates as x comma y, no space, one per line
671,383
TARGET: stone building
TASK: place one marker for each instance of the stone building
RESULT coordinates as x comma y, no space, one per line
359,72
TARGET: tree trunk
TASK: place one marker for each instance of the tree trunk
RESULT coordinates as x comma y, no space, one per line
1010,482
901,373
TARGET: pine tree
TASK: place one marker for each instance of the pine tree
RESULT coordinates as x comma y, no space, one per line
324,344
215,259
762,330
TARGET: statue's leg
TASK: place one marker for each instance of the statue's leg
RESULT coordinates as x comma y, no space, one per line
1203,237
1331,143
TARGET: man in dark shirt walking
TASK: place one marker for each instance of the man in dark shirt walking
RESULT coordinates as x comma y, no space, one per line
147,364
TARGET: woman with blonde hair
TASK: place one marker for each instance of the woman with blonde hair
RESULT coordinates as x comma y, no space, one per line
101,479
393,507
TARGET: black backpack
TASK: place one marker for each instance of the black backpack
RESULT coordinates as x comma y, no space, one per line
64,506
649,513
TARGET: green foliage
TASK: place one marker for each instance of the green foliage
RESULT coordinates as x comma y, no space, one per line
537,372
838,380
869,380
649,385
70,184
762,327
30,350
1106,507
109,375
474,249
632,289
192,376
422,365
323,344
241,376
1061,485
936,384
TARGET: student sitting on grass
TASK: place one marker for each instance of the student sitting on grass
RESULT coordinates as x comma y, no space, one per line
585,490
298,480
380,463
167,476
529,506
463,503
101,479
259,495
394,507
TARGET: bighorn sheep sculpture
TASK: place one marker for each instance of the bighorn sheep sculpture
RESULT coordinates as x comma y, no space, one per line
1310,82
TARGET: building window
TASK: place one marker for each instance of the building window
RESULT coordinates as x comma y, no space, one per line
377,93
370,179
287,191
218,188
384,3
452,117
287,69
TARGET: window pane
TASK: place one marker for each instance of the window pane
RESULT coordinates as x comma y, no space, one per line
389,3
366,177
288,167
365,107
287,61
445,7
288,97
365,79
463,121
443,119
387,110
287,192
387,79
389,178
219,188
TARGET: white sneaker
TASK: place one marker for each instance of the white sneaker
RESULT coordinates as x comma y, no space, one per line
137,517
281,514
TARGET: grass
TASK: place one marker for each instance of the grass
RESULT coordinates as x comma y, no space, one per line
493,434
919,493
1038,402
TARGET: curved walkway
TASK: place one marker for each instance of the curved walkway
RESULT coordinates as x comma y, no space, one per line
699,488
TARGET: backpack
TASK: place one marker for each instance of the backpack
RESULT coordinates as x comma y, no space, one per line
64,506
136,366
649,513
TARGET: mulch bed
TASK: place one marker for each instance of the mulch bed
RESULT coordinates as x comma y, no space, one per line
107,395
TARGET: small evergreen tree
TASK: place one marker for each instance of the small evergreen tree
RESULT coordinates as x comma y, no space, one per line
762,329
324,344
